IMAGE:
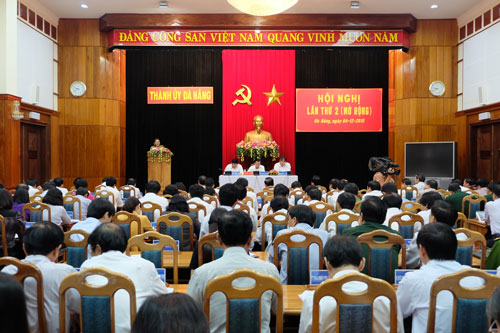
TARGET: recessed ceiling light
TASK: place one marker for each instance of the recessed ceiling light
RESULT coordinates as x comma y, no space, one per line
434,6
84,5
355,4
163,4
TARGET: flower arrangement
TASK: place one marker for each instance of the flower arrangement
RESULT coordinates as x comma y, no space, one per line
273,172
160,154
257,150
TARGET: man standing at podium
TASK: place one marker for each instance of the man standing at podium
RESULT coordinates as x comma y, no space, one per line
282,165
234,166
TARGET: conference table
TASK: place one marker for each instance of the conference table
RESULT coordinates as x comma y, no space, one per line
257,182
184,258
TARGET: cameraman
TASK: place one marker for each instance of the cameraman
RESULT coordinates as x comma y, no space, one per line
389,176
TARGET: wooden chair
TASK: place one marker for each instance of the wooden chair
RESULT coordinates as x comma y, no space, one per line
357,207
154,252
36,197
211,200
329,194
238,205
465,248
36,210
322,189
99,187
209,241
172,225
4,237
151,210
127,191
406,227
341,222
70,202
184,194
267,199
199,209
362,192
27,270
278,220
297,195
12,191
461,219
469,304
249,202
409,192
378,252
126,220
167,196
297,257
250,189
411,207
322,210
76,251
105,194
243,310
359,313
443,193
97,302
471,204
261,196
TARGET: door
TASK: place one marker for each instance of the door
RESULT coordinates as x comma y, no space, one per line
33,152
485,151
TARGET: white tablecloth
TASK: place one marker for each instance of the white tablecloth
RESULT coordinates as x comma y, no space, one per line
257,182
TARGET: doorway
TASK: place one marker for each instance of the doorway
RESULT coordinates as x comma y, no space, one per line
34,152
485,151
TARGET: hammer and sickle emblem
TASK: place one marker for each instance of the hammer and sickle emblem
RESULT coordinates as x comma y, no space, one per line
246,98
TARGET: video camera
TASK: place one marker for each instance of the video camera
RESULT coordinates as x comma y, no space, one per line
383,164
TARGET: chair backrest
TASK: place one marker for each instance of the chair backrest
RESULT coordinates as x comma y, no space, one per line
105,194
76,251
354,310
297,194
409,192
154,252
379,260
97,302
209,241
410,206
407,225
267,199
99,187
151,210
329,194
243,310
321,209
465,248
343,220
473,203
73,204
357,207
362,192
36,211
250,189
211,199
443,193
278,220
469,304
172,225
184,194
297,259
461,219
36,197
167,196
322,189
241,206
25,270
4,237
127,191
249,202
199,209
126,220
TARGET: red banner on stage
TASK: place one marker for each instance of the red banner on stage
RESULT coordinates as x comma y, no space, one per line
180,95
247,75
339,110
274,38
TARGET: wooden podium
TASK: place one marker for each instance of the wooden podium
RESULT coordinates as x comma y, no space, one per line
160,171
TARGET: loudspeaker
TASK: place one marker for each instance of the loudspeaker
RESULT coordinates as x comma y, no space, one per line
35,94
483,96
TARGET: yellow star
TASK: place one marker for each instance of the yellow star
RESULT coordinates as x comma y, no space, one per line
274,96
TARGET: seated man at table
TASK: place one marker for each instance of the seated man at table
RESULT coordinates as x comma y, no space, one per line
100,211
302,218
196,192
234,167
257,166
152,189
228,196
108,243
345,203
235,235
312,195
437,245
282,165
279,189
343,255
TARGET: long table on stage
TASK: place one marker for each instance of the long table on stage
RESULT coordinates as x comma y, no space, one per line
257,182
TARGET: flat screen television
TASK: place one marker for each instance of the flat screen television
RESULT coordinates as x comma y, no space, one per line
433,159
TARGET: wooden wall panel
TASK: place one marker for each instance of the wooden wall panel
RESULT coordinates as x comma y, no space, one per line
10,138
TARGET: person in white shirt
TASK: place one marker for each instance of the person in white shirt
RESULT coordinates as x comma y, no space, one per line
196,192
235,236
279,189
343,255
482,186
47,186
131,182
42,242
372,189
108,243
58,214
242,195
234,167
282,165
302,218
257,167
33,187
100,211
111,187
345,203
152,189
419,182
82,193
427,200
244,182
279,203
59,182
393,203
228,195
437,245
468,184
492,211
312,195
337,186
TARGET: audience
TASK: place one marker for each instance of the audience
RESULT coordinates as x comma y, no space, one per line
437,245
493,306
419,182
235,236
482,186
33,187
244,183
345,203
180,186
196,192
373,189
343,255
100,210
393,203
111,187
21,198
315,180
170,313
242,194
426,201
82,193
171,189
152,190
468,184
201,180
228,195
12,305
179,204
279,189
133,205
14,225
269,181
59,183
279,203
312,196
58,214
456,196
80,182
302,217
132,183
353,189
42,243
47,186
338,188
492,211
108,243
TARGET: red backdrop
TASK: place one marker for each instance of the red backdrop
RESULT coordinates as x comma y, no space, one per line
259,70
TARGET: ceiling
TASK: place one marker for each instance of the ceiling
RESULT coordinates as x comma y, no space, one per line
418,8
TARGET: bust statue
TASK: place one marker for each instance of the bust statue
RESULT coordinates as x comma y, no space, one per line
258,134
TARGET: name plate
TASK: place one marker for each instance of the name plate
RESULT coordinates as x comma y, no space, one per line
407,243
318,276
400,273
70,214
162,272
282,173
236,173
264,173
168,248
29,224
153,224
